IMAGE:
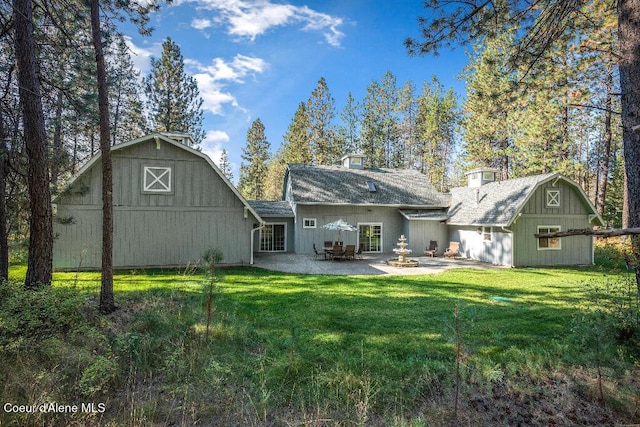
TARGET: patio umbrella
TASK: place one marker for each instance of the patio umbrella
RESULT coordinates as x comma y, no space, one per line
339,226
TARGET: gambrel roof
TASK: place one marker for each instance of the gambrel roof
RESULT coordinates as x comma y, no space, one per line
177,140
498,203
338,185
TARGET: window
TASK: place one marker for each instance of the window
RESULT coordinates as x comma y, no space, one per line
156,179
553,198
487,234
487,176
356,160
309,223
548,243
371,186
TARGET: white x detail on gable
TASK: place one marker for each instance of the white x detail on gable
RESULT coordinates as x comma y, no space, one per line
553,198
157,179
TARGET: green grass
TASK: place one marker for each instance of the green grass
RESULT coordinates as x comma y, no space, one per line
299,349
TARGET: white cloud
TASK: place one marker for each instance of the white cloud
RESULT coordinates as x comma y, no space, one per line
201,24
214,79
252,18
141,56
212,144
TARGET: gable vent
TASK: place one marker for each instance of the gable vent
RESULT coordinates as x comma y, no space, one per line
371,186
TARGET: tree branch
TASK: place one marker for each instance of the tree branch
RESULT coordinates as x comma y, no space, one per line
612,232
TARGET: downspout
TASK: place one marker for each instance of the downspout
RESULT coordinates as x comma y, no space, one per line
252,239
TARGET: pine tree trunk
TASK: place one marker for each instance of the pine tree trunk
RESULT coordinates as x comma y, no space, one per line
605,158
56,149
107,300
4,241
629,38
40,258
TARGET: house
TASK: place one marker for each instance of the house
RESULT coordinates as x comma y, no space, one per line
170,204
371,199
493,220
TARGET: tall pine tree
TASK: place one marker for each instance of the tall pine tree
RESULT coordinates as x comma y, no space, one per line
256,156
173,99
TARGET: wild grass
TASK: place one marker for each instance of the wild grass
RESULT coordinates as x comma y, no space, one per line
286,349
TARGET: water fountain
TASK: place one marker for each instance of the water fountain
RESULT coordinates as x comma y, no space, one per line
402,252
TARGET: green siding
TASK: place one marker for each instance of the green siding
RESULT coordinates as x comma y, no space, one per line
153,229
392,224
573,213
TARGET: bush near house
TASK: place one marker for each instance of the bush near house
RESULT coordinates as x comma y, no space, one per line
288,349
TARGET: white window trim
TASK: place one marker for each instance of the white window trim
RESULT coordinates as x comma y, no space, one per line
304,223
485,231
548,229
356,160
150,178
488,176
552,201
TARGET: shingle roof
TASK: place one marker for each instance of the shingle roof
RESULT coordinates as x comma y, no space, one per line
272,208
340,185
423,214
498,202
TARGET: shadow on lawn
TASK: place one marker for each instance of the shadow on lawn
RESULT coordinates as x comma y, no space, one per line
399,316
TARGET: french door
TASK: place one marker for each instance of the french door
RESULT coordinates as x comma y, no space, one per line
370,237
273,238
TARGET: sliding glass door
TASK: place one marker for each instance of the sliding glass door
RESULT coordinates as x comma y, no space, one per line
370,237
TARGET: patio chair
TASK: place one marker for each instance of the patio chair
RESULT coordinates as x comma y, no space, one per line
350,252
338,252
432,250
328,244
316,253
452,250
359,252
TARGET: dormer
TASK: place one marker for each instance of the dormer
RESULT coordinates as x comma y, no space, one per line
353,161
481,176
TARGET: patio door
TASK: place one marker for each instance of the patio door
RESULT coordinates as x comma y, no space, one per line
370,237
273,238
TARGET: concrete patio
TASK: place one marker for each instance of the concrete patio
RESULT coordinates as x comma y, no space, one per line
369,265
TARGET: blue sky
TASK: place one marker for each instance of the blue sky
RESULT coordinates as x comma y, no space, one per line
261,58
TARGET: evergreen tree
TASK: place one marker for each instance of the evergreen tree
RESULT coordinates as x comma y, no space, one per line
297,140
407,127
380,122
436,125
173,99
489,107
275,173
372,134
256,154
40,258
127,118
225,165
349,130
321,110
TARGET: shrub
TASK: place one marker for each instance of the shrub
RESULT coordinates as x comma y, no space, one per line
43,312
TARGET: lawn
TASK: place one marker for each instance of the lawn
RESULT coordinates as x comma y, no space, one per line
285,349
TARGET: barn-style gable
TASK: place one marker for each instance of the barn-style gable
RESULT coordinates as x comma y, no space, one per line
171,203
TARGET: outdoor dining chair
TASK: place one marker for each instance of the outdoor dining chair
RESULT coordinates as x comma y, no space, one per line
350,252
338,252
316,253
